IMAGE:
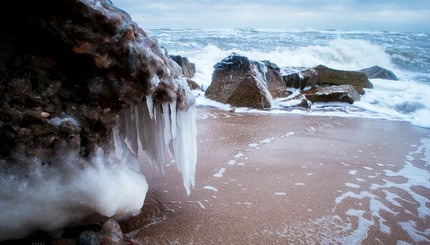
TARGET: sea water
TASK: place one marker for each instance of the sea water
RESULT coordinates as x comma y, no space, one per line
406,54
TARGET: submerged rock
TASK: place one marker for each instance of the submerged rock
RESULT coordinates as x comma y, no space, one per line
80,83
379,72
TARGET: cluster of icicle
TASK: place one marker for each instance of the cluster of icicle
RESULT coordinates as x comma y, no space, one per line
163,132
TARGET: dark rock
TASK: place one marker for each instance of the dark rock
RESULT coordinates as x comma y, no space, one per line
329,76
341,93
300,77
238,63
274,80
294,80
81,58
310,78
379,72
188,68
88,238
62,241
235,82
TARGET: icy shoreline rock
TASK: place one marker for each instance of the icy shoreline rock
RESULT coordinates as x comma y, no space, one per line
239,81
80,84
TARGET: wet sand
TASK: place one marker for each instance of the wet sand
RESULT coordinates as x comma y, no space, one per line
280,179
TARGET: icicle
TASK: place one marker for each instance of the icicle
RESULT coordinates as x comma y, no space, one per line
173,118
162,154
150,105
131,130
167,123
151,134
164,132
117,142
185,146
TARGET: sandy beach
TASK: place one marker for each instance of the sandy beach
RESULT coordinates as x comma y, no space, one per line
292,179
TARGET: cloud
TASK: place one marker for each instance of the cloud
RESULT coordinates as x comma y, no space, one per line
290,14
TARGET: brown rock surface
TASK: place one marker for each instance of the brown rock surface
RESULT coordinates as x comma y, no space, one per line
188,68
235,82
274,80
341,93
329,76
72,60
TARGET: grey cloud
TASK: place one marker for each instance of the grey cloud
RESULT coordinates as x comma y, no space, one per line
345,14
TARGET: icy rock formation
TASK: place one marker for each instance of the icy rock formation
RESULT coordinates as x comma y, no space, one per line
84,90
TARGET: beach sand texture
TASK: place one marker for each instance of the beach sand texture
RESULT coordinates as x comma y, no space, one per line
293,179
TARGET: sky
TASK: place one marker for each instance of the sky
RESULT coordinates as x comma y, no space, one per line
359,15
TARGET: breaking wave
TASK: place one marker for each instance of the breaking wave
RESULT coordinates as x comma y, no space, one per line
406,54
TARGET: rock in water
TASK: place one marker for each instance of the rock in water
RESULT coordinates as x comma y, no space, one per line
80,84
341,93
188,68
239,81
300,77
274,80
329,76
379,72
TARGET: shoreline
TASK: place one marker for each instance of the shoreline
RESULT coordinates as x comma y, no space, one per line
291,178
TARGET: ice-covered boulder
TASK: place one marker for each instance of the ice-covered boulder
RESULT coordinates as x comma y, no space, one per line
339,93
379,72
329,76
82,88
239,81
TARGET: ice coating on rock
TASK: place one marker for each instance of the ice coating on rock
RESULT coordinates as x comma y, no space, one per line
74,156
